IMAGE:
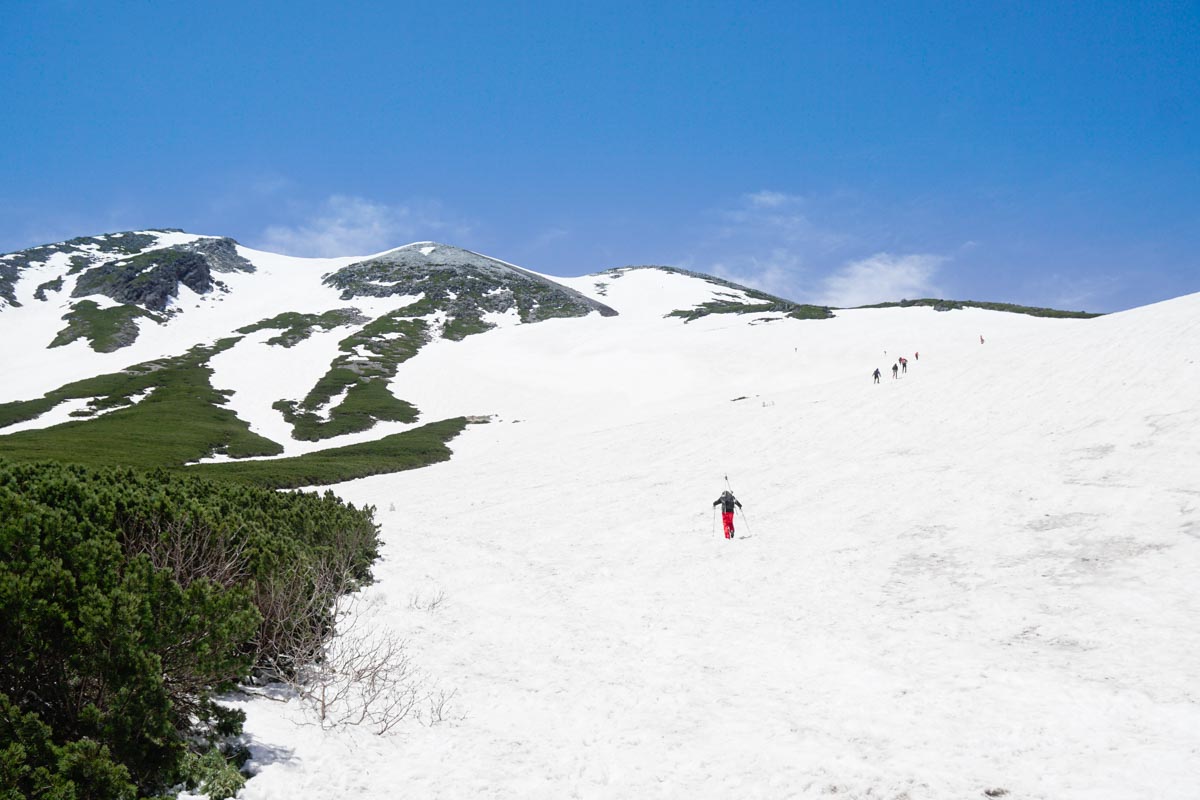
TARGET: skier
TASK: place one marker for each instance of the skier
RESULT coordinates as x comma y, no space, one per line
904,365
895,371
877,374
727,501
916,356
981,338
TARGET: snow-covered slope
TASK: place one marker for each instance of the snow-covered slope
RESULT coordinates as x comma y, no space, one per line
977,579
136,297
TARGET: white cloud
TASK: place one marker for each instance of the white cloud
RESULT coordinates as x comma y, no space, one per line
1074,292
348,226
765,240
773,272
882,278
775,218
767,199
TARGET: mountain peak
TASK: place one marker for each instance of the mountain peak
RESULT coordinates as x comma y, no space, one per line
472,282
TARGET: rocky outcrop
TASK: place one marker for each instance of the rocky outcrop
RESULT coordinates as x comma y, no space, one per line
149,280
82,252
152,279
221,254
463,284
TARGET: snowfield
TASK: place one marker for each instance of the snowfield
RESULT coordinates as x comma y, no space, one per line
977,578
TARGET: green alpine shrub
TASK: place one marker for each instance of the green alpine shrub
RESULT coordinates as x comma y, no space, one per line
129,599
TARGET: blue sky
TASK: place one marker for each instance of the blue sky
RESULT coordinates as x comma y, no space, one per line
1041,153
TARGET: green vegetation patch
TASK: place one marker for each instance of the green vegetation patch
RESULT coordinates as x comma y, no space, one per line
460,327
125,243
107,329
297,327
951,305
360,376
793,310
395,453
128,600
182,420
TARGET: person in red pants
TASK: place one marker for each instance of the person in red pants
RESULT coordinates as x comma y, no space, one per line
727,501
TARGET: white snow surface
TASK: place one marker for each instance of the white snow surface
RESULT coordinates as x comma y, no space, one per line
980,576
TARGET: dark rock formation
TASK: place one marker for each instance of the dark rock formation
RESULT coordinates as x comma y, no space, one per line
463,284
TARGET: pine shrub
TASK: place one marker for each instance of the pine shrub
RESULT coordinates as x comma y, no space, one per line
129,599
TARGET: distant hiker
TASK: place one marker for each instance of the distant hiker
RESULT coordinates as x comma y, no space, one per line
727,501
895,370
916,356
981,338
877,374
904,365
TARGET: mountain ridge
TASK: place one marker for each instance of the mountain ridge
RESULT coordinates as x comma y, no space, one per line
974,578
346,326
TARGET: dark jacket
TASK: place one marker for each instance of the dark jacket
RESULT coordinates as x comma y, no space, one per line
727,501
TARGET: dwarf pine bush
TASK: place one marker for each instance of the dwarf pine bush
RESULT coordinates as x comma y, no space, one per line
128,599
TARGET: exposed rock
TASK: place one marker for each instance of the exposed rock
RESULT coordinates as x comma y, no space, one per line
84,251
55,285
221,254
463,284
149,280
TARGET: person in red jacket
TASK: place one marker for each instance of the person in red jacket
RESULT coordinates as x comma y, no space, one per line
727,501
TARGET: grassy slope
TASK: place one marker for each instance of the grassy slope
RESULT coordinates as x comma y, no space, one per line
389,340
396,453
107,329
297,327
792,310
950,305
184,420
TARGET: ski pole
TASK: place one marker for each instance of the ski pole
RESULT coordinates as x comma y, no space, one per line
714,522
745,519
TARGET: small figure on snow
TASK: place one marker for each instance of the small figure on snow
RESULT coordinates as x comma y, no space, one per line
904,365
981,338
727,501
877,374
916,356
895,370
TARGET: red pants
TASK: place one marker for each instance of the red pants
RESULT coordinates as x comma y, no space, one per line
727,521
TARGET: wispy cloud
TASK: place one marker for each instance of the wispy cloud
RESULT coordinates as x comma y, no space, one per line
764,239
768,199
776,219
346,225
783,244
774,272
881,278
1076,293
